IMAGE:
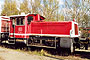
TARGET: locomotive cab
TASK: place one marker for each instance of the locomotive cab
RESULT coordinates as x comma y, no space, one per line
20,26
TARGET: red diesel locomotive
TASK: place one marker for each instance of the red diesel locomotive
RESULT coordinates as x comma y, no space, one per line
32,30
4,28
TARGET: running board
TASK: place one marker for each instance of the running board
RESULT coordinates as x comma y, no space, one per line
11,41
42,46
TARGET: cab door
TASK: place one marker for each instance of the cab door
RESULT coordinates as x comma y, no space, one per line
18,27
29,20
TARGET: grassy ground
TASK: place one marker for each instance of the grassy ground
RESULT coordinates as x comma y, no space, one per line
79,55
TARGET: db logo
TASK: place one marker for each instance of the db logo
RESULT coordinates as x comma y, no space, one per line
20,29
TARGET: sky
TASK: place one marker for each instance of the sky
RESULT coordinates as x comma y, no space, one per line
2,2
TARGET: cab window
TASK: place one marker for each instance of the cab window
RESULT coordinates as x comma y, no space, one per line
20,21
30,18
13,20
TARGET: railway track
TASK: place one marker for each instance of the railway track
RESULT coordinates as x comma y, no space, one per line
39,48
85,54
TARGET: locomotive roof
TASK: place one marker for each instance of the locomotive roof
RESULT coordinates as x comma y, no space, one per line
20,15
4,18
17,15
24,15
